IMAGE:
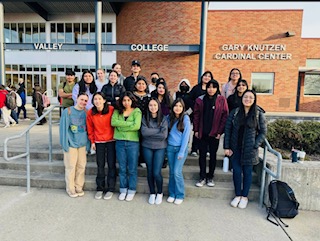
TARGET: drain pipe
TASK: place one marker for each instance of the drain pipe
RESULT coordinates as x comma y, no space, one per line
203,38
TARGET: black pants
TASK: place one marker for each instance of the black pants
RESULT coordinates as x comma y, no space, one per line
23,108
40,112
195,144
106,151
213,145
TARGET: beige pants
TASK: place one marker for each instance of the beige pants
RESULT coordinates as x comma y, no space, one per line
75,164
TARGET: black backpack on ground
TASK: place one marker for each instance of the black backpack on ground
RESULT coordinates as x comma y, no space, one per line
283,203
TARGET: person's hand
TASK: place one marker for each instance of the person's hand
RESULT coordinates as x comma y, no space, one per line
228,152
93,146
218,136
196,134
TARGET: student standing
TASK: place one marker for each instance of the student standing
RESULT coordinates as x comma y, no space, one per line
235,100
210,115
22,92
74,142
127,123
244,132
154,130
129,82
65,89
177,150
101,79
229,87
100,133
113,89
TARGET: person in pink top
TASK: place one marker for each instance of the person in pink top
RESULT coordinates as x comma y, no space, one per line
100,134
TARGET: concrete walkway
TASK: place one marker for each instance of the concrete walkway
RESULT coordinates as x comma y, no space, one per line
49,214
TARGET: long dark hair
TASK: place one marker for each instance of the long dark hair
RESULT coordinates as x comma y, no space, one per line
105,109
250,120
166,97
82,84
132,98
231,72
159,112
207,72
173,118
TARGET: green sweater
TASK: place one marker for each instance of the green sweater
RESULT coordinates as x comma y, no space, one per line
127,130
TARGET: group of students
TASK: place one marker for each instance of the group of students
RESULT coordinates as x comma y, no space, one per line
137,125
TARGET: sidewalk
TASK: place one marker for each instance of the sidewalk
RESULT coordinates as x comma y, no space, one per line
49,214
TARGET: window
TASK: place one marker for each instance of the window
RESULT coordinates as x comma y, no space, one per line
312,84
313,63
262,83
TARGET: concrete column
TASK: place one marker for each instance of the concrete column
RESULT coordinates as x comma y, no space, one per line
98,17
203,38
2,65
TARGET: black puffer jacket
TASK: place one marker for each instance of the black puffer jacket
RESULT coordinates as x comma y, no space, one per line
111,92
252,137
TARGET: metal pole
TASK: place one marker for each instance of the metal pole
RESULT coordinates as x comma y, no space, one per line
2,67
98,17
50,136
28,161
203,38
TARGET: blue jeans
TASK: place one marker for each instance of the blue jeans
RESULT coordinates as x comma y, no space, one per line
176,182
154,159
127,154
241,184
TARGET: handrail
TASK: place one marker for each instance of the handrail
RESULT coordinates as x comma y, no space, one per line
266,170
27,133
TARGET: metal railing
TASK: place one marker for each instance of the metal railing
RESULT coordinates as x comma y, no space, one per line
26,132
266,170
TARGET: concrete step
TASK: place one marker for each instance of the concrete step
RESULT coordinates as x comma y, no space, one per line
222,190
56,166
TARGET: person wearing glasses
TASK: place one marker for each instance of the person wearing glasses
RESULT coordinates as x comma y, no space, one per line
235,99
229,87
244,132
75,143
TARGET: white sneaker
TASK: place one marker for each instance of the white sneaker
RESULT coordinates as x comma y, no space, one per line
130,197
170,200
98,195
108,195
194,154
208,154
14,123
6,126
122,196
152,199
143,165
178,201
210,183
235,202
159,198
201,183
243,203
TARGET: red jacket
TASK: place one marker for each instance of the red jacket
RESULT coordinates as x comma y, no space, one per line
99,126
221,113
3,94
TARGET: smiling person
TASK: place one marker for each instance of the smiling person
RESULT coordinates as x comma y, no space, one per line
113,89
235,100
129,82
100,133
210,115
177,150
87,85
244,132
74,142
127,122
229,87
154,130
101,79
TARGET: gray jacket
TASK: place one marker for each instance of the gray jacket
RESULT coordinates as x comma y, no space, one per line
154,136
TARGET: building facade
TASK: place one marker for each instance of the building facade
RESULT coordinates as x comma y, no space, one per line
266,45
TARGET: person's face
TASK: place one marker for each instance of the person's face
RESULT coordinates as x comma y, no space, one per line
21,81
82,101
113,77
70,78
135,68
161,90
211,90
248,99
88,78
206,78
235,75
155,76
117,68
178,108
100,74
141,86
127,102
241,87
98,101
153,107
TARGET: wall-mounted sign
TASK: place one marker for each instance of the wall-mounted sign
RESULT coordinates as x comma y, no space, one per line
149,47
48,46
270,52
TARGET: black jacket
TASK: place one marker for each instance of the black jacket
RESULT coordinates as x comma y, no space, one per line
129,83
252,137
111,92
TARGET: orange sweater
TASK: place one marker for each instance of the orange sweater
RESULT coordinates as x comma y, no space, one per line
99,126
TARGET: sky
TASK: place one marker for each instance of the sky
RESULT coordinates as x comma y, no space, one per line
311,13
